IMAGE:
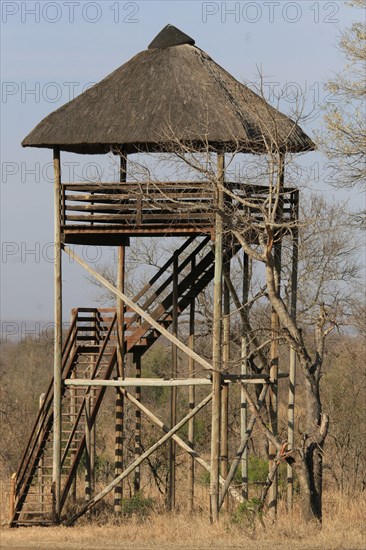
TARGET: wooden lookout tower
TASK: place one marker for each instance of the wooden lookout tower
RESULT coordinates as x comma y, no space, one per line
170,99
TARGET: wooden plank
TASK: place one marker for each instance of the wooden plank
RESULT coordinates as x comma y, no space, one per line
150,229
147,207
122,186
96,198
138,382
154,382
159,217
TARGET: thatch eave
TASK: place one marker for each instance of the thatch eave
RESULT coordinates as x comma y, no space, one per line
166,96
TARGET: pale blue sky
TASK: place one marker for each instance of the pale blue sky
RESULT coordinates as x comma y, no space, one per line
291,41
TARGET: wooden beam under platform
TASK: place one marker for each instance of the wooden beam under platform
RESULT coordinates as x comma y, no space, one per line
162,382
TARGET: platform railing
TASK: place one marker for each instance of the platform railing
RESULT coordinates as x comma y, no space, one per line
170,205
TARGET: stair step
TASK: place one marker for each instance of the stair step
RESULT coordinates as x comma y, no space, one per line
34,522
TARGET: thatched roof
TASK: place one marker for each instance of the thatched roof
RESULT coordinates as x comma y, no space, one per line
171,90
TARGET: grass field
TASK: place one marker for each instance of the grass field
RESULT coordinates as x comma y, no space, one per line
343,528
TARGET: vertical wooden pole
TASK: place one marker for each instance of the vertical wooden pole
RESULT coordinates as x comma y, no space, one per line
12,496
274,352
73,402
92,400
118,452
57,359
137,475
216,344
191,399
87,449
225,387
92,446
40,475
244,370
173,390
292,373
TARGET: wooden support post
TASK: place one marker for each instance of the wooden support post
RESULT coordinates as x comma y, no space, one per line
191,399
225,387
292,377
92,446
173,390
274,352
137,476
40,475
73,414
12,497
87,448
94,425
73,410
216,344
118,452
244,370
57,358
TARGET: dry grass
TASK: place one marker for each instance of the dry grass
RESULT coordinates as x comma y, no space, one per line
343,528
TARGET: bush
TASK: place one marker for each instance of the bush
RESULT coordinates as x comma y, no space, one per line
137,505
247,512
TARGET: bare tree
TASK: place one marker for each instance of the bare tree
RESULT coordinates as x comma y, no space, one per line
345,138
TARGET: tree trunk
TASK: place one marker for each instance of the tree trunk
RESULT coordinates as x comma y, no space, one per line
313,452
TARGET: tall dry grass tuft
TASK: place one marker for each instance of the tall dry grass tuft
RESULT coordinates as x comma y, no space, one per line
343,529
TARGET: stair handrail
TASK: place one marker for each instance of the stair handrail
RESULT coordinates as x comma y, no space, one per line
162,270
162,308
41,416
169,279
34,447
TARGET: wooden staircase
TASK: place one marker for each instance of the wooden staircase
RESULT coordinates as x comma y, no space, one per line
89,351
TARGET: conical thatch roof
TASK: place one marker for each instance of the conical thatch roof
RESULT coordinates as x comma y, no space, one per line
172,89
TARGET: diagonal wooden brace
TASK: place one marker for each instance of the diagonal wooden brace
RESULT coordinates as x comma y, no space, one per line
138,461
138,310
179,441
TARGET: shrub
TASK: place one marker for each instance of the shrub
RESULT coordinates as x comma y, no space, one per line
247,513
137,505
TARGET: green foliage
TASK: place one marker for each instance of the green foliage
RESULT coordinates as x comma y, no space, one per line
257,470
137,505
200,431
247,513
156,363
257,474
205,478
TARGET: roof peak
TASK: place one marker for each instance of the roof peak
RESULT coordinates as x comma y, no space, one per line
170,36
